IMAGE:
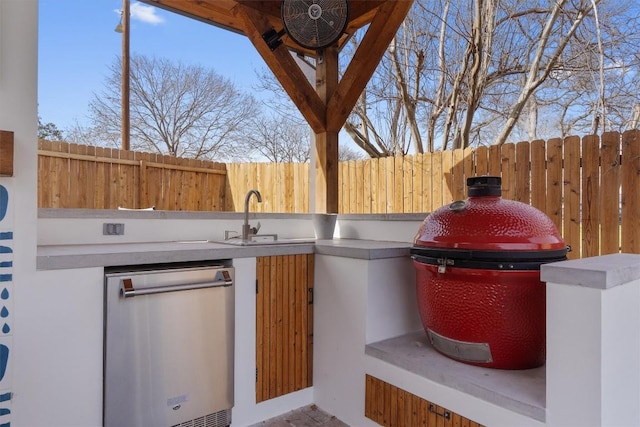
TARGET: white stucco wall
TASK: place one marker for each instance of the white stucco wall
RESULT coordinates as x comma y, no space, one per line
340,300
18,113
58,350
593,341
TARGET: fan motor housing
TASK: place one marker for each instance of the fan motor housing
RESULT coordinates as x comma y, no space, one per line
315,24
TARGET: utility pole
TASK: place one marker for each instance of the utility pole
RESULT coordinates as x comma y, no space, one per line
123,28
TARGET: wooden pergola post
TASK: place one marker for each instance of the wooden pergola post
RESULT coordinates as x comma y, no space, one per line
326,144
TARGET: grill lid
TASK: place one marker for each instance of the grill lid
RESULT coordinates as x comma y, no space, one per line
489,227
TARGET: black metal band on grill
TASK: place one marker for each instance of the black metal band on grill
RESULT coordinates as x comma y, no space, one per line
471,254
489,260
504,265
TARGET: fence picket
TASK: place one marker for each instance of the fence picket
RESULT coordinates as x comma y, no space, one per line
458,185
447,175
398,182
61,175
538,175
437,182
427,182
359,184
481,160
389,166
417,195
367,190
590,202
44,170
508,167
630,191
408,192
610,192
522,187
469,169
571,223
554,209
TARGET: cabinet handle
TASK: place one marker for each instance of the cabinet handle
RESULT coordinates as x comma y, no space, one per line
445,414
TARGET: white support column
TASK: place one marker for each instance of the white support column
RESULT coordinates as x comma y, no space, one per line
593,341
18,203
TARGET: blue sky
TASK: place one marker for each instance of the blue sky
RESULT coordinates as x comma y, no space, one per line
77,42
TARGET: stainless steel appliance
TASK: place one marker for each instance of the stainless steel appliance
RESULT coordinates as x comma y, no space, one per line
169,337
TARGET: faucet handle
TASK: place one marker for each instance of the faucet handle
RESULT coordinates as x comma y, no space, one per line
254,230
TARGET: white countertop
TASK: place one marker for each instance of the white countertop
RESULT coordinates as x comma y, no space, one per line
54,257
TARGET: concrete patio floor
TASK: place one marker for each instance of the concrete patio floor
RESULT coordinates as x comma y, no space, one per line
307,416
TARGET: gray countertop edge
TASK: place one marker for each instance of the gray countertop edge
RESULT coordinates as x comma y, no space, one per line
362,249
57,257
520,391
603,272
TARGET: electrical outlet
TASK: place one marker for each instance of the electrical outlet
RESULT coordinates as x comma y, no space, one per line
112,229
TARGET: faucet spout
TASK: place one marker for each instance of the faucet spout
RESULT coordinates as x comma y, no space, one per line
246,228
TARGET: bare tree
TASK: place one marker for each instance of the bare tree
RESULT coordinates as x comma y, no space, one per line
346,153
284,136
545,60
177,109
488,71
279,139
482,71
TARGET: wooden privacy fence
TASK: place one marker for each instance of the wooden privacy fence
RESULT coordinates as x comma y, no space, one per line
284,186
589,187
80,176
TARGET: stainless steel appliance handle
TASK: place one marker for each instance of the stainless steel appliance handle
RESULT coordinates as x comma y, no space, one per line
128,291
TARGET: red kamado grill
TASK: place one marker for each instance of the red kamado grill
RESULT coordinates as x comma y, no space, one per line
477,265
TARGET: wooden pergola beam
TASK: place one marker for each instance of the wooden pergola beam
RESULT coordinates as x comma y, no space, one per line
285,69
375,42
328,106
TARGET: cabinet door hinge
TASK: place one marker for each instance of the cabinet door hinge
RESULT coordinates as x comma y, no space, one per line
310,296
256,374
256,286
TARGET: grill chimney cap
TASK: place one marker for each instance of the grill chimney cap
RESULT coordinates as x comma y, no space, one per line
484,186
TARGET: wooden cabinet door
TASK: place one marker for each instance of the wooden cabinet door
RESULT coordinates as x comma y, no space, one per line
284,324
391,406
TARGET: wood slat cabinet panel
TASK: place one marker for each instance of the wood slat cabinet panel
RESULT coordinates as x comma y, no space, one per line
391,406
284,324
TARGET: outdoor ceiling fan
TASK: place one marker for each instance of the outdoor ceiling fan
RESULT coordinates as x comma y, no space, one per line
312,24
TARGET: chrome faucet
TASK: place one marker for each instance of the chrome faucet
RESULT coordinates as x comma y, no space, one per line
246,228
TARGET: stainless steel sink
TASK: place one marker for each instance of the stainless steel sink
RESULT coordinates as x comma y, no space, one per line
264,242
256,240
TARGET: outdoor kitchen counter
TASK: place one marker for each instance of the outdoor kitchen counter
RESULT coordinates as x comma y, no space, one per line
56,257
